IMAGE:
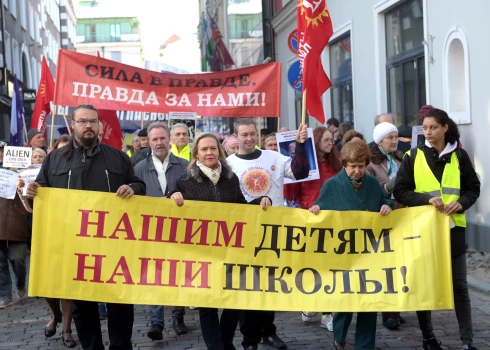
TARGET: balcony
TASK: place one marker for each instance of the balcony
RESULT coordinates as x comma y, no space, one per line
123,38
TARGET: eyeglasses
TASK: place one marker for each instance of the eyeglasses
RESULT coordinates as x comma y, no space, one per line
327,140
83,122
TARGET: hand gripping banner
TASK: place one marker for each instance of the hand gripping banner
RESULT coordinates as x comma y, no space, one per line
247,92
149,251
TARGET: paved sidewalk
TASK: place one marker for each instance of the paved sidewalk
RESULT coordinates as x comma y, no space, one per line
22,326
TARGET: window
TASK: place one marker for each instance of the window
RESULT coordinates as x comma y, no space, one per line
30,14
16,58
341,78
23,14
13,8
405,64
244,29
116,56
456,76
8,51
115,32
90,35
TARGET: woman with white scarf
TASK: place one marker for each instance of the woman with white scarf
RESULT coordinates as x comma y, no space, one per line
385,162
209,178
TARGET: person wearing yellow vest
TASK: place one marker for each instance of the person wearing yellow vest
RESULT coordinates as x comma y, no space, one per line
179,135
135,141
441,174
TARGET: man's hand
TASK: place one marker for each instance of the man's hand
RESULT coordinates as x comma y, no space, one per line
302,134
125,191
178,198
32,190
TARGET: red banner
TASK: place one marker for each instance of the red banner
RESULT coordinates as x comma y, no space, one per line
246,92
314,32
45,93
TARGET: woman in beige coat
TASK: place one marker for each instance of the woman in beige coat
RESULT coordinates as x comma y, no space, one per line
385,162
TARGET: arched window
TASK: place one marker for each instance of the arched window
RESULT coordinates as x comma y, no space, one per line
456,77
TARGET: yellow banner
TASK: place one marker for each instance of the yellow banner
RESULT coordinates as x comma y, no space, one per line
96,246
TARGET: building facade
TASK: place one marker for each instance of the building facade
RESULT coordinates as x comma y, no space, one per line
31,29
396,56
68,21
109,29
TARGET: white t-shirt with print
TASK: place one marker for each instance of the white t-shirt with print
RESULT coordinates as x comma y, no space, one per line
263,176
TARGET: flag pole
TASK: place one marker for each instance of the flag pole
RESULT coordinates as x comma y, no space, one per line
303,109
66,122
25,127
53,113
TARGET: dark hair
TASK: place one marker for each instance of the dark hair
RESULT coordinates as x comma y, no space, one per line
84,106
355,152
244,121
349,135
441,117
333,121
343,128
62,138
332,158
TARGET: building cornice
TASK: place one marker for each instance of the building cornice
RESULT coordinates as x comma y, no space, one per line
285,17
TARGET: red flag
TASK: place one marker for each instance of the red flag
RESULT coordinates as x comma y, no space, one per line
45,94
112,135
314,32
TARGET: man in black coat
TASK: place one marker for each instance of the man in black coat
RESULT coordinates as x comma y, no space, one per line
87,164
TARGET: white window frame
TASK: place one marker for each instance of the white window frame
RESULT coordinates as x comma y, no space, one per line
379,11
13,8
462,117
23,14
327,97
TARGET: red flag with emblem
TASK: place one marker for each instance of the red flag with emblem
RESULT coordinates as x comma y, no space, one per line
45,94
314,32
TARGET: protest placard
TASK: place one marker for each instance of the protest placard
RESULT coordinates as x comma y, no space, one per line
17,157
28,176
187,118
8,183
286,142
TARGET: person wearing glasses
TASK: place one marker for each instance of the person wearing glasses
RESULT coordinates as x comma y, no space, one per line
86,164
385,162
306,193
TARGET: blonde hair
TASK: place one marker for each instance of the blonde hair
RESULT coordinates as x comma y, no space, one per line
195,148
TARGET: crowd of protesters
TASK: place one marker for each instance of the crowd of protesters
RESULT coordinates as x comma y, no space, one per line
382,176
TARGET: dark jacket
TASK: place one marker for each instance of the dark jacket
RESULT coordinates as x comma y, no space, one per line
142,154
338,194
194,185
13,220
404,191
146,171
102,168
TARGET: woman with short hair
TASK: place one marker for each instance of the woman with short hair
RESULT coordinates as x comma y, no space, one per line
353,189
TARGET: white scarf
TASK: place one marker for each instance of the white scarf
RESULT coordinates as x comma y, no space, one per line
212,174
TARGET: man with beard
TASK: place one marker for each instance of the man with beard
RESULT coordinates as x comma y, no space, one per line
86,164
160,172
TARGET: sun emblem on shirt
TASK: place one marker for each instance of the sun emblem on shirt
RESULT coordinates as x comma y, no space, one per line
256,181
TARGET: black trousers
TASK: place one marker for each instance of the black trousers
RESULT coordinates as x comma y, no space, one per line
256,324
217,333
462,304
120,319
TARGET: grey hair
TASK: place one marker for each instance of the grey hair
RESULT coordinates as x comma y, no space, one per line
134,136
157,125
40,150
244,121
378,117
178,125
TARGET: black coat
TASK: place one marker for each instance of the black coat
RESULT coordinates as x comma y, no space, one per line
194,185
103,169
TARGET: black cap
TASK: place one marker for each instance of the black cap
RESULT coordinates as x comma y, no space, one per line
143,132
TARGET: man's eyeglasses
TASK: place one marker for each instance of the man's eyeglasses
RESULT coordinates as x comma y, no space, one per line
83,122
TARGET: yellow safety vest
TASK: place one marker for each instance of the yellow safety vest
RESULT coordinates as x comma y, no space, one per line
450,188
185,153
